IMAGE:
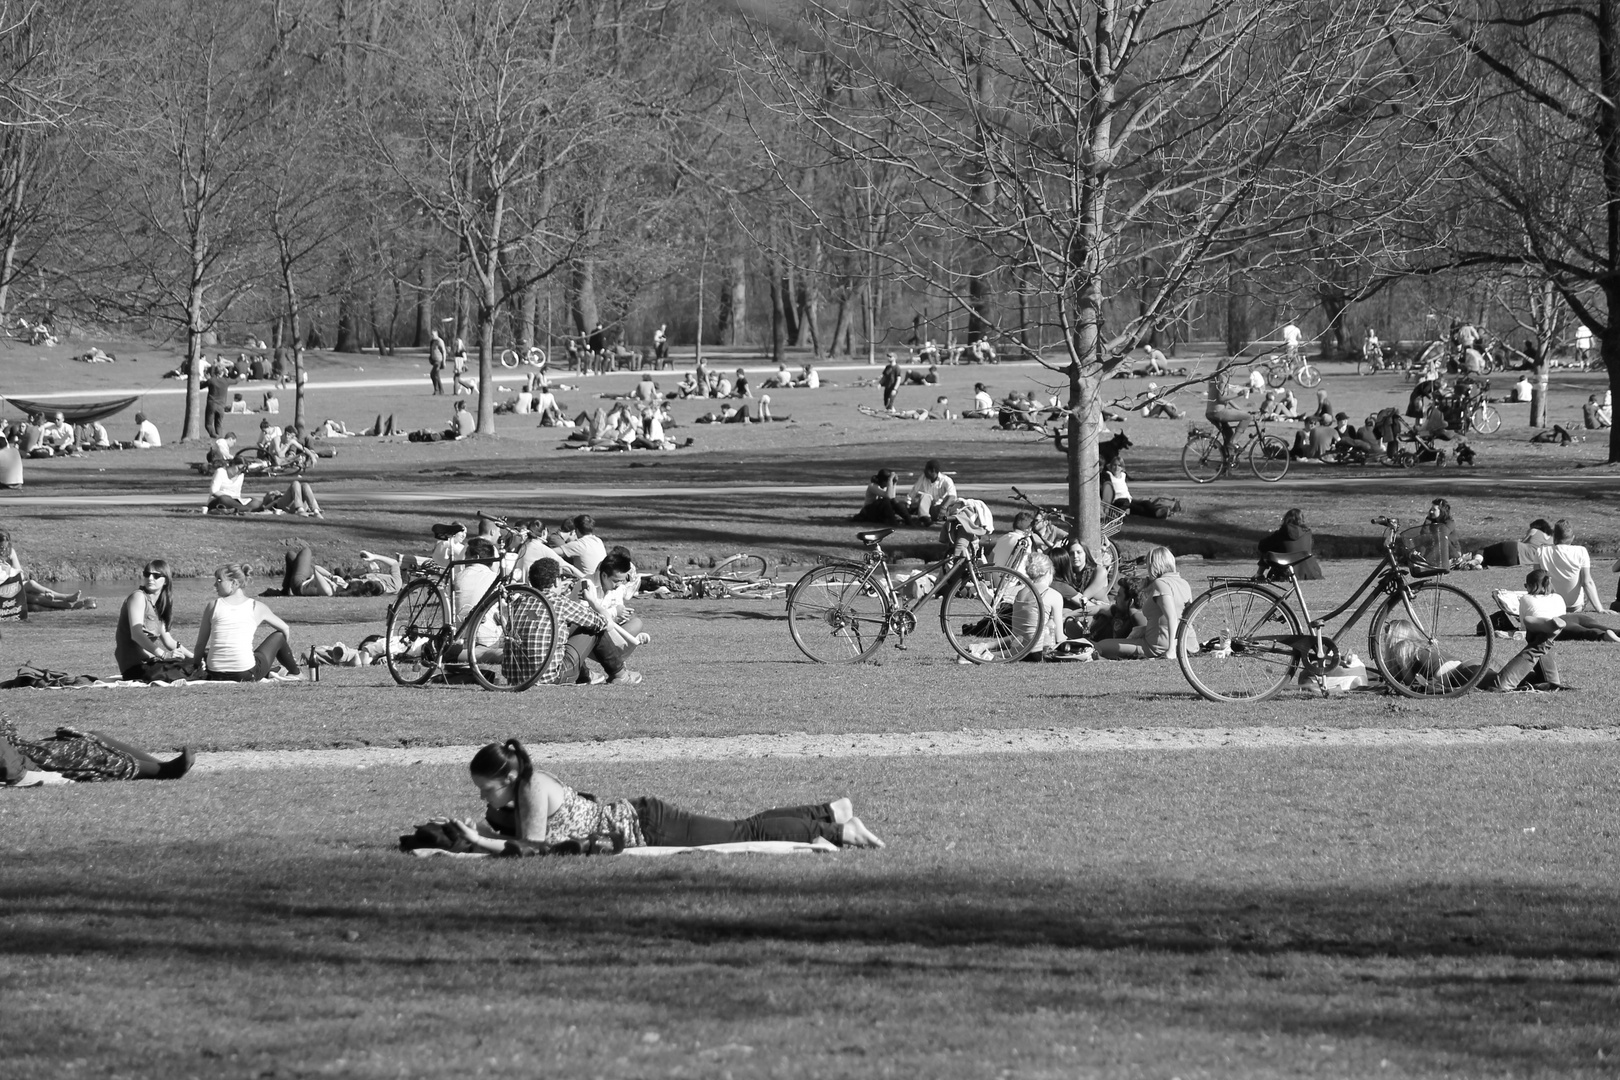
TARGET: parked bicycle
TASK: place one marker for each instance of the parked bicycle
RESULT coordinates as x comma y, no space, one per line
1282,366
843,612
504,643
1241,640
1207,457
534,357
746,576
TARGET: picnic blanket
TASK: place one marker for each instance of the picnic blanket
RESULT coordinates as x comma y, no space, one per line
745,847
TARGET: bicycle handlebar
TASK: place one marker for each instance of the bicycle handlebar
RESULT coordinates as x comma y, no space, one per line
1386,522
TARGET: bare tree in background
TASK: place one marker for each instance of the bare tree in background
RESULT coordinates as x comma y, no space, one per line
1066,145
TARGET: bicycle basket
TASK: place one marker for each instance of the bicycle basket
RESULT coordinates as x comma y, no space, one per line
1422,548
1113,519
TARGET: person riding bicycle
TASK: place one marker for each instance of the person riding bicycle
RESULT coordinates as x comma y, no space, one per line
1293,342
1220,408
1372,351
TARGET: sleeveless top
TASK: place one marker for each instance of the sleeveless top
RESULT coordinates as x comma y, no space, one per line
579,817
230,637
126,651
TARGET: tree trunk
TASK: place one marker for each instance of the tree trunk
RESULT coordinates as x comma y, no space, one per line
1237,307
582,295
424,300
734,301
841,326
1538,392
16,170
528,308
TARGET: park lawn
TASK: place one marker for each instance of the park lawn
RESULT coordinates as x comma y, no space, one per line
729,667
1339,912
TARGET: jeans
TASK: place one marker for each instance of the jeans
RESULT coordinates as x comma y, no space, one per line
583,645
666,826
1535,659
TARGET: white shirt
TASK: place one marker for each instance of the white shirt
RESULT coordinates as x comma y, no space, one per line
525,401
1120,489
941,489
982,401
226,484
1551,606
812,379
586,551
1583,338
546,401
1291,335
1013,550
472,582
1564,563
147,433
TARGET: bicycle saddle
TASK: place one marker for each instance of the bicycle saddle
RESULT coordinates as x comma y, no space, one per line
873,537
1286,558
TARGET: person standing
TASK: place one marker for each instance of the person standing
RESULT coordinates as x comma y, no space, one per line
214,407
436,362
889,380
660,345
458,376
1583,346
598,344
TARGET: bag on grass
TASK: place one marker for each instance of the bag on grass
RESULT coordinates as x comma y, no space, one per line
30,677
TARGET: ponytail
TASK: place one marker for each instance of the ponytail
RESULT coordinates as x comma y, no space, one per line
500,759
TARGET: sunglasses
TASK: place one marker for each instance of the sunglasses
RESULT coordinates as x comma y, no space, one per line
150,573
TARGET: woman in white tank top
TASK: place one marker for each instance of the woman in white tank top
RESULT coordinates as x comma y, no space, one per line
225,638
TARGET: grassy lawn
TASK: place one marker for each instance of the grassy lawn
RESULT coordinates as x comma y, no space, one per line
1427,913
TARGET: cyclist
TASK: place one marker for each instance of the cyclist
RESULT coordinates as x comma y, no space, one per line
1372,351
1220,408
1293,343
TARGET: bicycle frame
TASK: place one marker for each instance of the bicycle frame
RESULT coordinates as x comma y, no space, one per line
1385,579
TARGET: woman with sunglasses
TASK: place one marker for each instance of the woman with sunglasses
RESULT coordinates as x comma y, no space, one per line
225,638
144,647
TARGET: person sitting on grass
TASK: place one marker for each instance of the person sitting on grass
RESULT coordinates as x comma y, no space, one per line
984,406
931,495
1291,537
225,637
882,504
84,757
1030,603
1595,415
1570,566
1536,667
225,496
301,576
1164,595
589,630
143,646
525,804
40,597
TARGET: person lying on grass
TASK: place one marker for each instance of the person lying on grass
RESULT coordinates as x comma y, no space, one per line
40,598
225,496
81,756
525,803
301,576
225,638
143,646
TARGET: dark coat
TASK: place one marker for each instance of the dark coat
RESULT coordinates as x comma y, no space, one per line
1289,539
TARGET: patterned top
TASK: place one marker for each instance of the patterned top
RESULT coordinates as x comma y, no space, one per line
571,614
578,817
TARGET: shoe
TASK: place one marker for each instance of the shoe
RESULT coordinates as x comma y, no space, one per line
626,677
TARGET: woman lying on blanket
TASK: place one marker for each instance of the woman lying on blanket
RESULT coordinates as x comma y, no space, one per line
527,804
83,756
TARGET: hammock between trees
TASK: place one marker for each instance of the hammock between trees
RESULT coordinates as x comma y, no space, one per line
74,414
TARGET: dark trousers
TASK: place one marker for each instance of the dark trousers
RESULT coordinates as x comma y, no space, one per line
588,645
666,826
1535,659
888,396
271,650
213,417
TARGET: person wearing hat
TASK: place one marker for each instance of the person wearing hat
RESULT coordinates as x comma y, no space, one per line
930,495
882,503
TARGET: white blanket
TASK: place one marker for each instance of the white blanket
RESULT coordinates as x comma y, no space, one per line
746,847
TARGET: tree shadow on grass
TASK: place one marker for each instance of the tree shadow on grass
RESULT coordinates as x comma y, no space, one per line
1304,961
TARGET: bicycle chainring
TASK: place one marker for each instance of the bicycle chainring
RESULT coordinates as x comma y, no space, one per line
1317,663
903,623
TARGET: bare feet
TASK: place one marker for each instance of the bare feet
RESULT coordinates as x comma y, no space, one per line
1610,635
856,834
842,810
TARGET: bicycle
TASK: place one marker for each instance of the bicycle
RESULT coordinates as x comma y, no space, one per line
1054,529
1207,457
745,576
1280,367
1241,640
535,357
842,612
517,625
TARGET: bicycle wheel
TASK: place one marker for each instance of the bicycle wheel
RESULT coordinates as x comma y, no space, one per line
1268,458
1237,642
1111,554
509,358
1202,459
1486,420
1277,374
741,568
838,614
1308,377
418,633
537,357
1432,647
980,619
510,638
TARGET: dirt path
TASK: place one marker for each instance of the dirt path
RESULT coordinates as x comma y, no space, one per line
919,744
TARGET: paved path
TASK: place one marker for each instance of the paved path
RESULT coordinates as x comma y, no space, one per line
796,745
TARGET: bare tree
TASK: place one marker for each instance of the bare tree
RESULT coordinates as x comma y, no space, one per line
1066,145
